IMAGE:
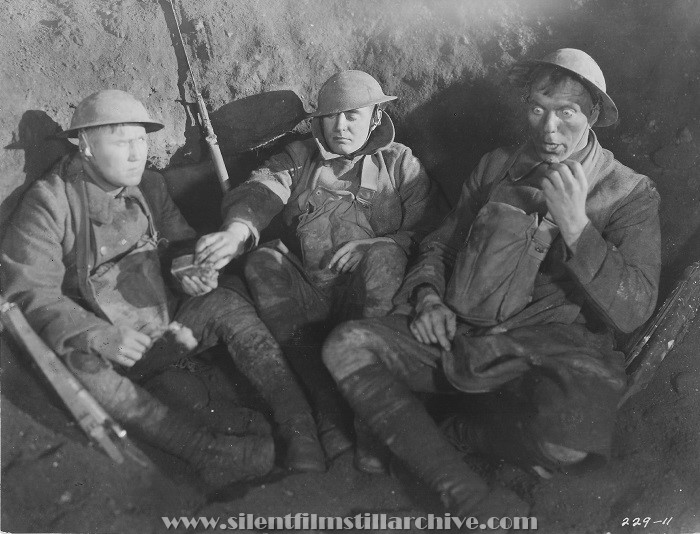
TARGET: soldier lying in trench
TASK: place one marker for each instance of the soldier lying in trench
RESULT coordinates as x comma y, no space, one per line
514,301
352,201
81,258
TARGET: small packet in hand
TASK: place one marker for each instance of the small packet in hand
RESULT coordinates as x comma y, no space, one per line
185,266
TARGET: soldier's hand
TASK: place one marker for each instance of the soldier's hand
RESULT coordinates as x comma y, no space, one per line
565,189
348,257
219,248
196,286
434,322
121,344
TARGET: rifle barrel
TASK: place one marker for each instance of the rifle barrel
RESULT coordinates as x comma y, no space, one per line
90,415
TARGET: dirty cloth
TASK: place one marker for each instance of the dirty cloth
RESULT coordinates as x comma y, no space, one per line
609,285
53,246
327,200
558,353
129,287
565,392
495,270
298,311
332,219
77,260
287,181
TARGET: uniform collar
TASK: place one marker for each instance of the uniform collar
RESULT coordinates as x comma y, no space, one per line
381,137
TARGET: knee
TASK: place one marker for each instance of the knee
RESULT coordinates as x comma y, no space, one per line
338,345
560,454
233,313
115,392
385,255
86,363
262,262
348,348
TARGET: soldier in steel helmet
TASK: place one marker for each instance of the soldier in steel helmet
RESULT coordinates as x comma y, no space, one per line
553,248
353,202
82,258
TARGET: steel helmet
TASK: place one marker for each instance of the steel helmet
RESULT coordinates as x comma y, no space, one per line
583,67
109,106
349,89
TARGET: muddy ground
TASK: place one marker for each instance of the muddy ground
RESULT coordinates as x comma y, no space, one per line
446,60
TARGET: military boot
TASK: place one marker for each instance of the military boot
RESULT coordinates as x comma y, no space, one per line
396,417
186,392
371,455
332,422
219,460
302,449
222,460
258,356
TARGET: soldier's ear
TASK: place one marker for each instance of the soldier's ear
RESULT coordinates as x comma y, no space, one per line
595,113
83,144
377,118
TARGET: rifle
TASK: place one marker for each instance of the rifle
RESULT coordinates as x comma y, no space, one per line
649,347
91,417
211,139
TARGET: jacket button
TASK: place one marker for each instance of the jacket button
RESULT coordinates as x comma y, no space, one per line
539,249
103,250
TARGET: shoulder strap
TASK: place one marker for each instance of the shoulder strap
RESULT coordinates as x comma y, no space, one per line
147,207
369,181
542,239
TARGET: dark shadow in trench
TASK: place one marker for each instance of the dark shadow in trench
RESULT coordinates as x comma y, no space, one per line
20,380
452,130
36,136
243,127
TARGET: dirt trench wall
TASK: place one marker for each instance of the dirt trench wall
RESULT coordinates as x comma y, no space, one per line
445,60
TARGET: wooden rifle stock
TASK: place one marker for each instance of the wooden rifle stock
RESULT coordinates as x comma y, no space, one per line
665,330
91,417
217,158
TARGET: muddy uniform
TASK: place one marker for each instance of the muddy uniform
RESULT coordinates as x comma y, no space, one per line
80,261
550,373
327,200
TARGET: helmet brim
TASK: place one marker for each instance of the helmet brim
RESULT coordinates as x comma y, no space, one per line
520,72
322,112
72,133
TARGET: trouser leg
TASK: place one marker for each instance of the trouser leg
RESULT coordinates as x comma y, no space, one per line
297,313
558,413
371,362
220,460
226,315
286,301
373,284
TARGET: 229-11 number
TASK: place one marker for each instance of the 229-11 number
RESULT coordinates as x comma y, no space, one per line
643,522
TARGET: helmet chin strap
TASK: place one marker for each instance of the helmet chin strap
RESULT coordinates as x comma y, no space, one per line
375,121
584,137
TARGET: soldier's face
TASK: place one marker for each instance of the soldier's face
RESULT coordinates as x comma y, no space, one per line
347,132
558,117
118,154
